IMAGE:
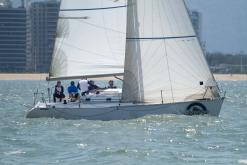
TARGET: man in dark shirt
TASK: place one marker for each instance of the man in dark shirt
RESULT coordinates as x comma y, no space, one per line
92,86
111,84
59,92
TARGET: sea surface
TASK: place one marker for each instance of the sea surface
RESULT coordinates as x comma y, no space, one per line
151,140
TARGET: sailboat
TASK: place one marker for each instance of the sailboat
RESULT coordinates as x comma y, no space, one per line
151,43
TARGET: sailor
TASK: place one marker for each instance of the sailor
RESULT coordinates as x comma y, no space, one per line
59,92
83,86
111,84
73,92
92,85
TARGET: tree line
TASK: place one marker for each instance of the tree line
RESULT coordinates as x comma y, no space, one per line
227,63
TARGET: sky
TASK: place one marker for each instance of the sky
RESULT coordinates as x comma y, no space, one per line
224,24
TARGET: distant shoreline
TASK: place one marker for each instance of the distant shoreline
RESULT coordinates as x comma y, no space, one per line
42,76
230,77
23,76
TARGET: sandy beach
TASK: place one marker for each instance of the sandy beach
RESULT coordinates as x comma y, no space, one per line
33,76
24,76
230,77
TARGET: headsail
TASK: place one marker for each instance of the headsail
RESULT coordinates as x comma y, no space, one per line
164,60
90,38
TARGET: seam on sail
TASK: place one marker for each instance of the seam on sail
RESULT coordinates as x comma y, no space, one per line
101,8
158,38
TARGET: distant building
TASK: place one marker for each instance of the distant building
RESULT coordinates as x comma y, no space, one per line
5,4
196,18
42,22
22,4
12,39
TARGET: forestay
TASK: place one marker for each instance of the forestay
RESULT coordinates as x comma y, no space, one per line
90,38
164,61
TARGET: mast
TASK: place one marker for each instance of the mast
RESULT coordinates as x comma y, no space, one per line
132,85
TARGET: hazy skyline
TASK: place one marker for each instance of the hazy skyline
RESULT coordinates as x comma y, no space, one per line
224,24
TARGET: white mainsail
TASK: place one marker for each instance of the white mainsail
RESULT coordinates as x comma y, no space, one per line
164,61
90,38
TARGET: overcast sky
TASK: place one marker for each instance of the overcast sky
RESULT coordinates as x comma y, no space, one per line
224,24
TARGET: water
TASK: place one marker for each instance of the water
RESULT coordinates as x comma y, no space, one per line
167,139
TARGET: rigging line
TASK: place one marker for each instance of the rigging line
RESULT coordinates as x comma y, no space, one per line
185,89
57,47
187,12
143,17
188,84
116,77
147,56
167,17
148,60
182,51
184,67
202,61
83,50
189,67
175,82
195,77
101,27
95,64
174,70
58,59
146,53
166,56
203,58
148,48
188,16
193,55
173,16
164,84
99,8
107,37
192,51
189,4
152,18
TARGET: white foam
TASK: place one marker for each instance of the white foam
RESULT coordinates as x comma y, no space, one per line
82,146
17,152
242,161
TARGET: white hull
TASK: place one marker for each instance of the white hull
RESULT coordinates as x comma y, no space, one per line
124,111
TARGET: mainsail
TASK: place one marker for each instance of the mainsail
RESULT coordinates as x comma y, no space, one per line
164,61
90,38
